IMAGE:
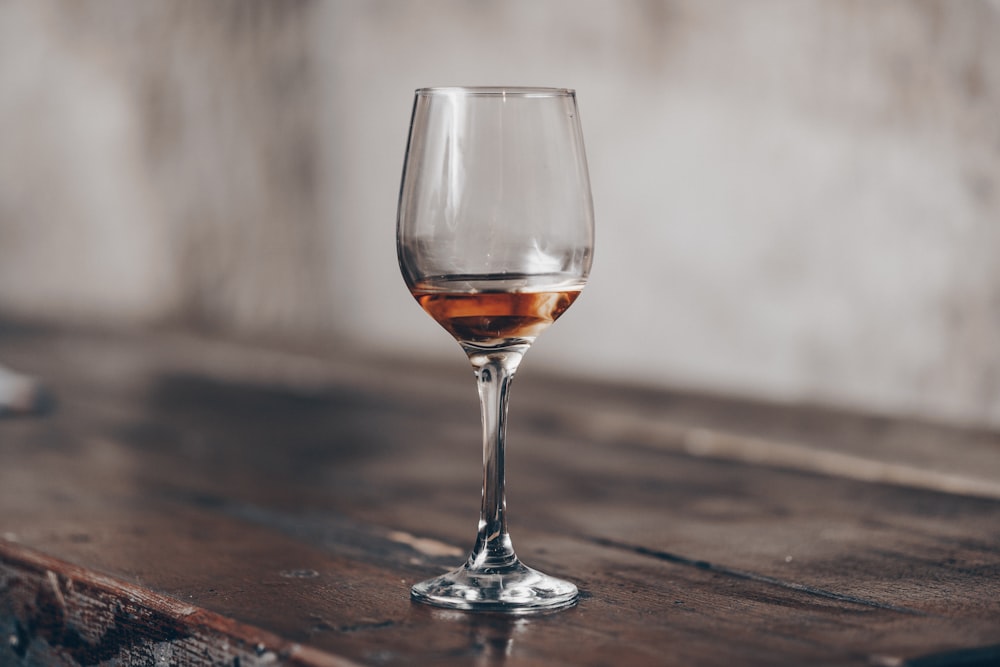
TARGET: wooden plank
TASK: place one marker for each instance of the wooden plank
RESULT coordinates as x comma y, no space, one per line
350,607
304,500
808,437
56,613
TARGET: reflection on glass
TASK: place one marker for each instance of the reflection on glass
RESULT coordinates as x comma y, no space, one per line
495,239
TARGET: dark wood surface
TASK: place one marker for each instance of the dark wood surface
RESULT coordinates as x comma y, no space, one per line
198,502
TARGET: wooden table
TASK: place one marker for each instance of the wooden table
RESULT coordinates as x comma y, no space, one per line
199,502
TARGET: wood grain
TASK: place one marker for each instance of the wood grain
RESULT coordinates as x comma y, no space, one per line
191,500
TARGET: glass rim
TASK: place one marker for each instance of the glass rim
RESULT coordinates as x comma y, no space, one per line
497,91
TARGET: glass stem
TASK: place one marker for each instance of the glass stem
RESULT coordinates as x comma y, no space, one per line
494,373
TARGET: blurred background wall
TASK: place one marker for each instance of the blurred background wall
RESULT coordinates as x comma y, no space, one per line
795,201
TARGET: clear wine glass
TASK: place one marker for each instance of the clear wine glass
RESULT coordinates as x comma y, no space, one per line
495,236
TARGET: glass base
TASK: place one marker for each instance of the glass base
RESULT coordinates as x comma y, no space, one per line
512,589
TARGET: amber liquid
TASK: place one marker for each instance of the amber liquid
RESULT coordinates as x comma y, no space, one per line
494,312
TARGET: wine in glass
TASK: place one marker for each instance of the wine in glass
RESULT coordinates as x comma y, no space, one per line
495,237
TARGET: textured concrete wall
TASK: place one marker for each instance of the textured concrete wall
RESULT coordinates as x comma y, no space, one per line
795,200
160,163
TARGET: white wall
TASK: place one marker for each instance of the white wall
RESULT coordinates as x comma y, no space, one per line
799,200
794,200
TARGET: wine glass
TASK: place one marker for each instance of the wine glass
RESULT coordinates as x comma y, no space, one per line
495,236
